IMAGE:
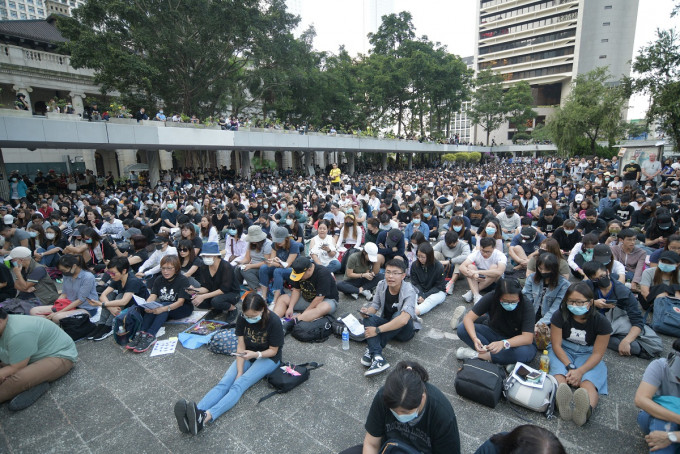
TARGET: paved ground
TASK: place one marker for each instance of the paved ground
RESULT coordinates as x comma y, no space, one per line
118,402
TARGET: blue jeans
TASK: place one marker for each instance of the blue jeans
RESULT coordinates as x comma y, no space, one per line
151,323
229,390
648,424
278,274
49,260
486,335
333,266
377,343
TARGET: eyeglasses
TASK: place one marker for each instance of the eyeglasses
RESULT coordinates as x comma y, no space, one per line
393,273
578,302
183,249
509,302
167,268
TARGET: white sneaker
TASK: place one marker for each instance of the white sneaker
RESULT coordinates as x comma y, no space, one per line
367,294
466,353
468,296
457,314
355,296
449,287
477,298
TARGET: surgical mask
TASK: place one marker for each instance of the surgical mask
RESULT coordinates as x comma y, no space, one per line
32,234
232,232
405,418
404,211
578,310
289,222
50,236
666,268
509,306
88,241
457,228
427,215
253,320
265,205
548,207
568,232
171,206
416,221
208,260
490,231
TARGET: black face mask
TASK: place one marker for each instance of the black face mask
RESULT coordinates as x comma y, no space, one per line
602,282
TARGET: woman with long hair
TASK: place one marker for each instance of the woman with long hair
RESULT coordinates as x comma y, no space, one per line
208,231
427,276
545,288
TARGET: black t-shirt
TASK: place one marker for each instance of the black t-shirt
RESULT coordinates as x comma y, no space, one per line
222,280
168,292
624,214
549,226
197,262
391,304
133,285
598,226
581,333
320,283
258,338
254,211
631,170
220,224
8,291
506,323
476,216
433,432
405,217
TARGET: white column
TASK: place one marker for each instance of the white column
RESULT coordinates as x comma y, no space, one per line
350,162
320,160
165,159
410,161
383,159
4,185
245,164
77,102
309,168
223,158
269,156
287,160
90,161
26,90
126,158
153,158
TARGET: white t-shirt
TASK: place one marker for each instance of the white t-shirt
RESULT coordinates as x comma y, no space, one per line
496,258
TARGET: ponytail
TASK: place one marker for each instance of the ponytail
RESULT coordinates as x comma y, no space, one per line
405,385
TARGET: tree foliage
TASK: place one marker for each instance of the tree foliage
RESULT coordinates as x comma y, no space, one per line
488,107
657,69
518,104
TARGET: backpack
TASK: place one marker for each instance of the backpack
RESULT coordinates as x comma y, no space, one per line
77,326
283,381
126,324
224,342
339,326
315,331
541,399
666,317
480,381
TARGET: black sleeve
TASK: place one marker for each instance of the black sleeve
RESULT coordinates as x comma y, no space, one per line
556,319
275,331
323,283
375,421
240,326
528,317
227,276
482,307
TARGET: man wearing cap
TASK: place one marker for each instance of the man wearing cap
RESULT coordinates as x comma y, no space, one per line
549,222
523,245
219,289
152,266
30,278
314,293
14,237
391,245
362,272
391,315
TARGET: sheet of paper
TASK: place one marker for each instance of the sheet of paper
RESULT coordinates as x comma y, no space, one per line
533,384
164,347
354,325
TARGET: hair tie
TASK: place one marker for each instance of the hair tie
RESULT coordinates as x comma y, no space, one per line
409,368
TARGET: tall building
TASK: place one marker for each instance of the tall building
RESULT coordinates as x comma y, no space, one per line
36,9
461,125
549,42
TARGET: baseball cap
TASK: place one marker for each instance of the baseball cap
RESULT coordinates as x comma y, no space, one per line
19,252
394,236
602,254
528,234
8,219
372,251
670,256
578,198
300,265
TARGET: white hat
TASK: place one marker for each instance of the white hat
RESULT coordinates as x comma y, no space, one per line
8,219
372,251
19,252
578,198
188,209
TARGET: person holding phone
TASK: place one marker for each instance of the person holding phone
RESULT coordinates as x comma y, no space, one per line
278,267
259,350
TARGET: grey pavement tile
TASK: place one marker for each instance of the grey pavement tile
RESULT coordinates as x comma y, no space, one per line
64,440
44,414
95,412
130,436
322,422
606,441
4,444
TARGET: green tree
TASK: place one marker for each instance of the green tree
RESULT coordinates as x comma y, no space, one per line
186,55
591,112
657,69
518,101
488,106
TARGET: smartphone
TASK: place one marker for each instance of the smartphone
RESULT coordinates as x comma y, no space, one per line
612,302
523,372
534,375
238,354
363,314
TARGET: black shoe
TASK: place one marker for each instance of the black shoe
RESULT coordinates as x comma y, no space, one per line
377,366
195,418
28,397
95,332
231,316
145,343
103,333
288,326
181,415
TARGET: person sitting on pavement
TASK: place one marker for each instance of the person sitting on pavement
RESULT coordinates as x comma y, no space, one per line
549,245
123,286
657,397
567,236
79,289
673,244
427,276
314,294
410,413
506,334
258,354
170,290
523,245
579,337
509,222
257,254
391,315
482,268
54,245
416,225
632,257
218,289
619,305
278,268
322,248
391,245
33,353
151,267
362,273
592,223
31,279
491,229
545,288
582,253
451,253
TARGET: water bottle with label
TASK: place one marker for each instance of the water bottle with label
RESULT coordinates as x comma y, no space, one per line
345,338
545,362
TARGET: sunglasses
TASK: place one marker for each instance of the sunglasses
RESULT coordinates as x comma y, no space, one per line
183,249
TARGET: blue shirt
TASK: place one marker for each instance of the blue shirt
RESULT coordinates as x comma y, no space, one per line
295,248
410,228
83,287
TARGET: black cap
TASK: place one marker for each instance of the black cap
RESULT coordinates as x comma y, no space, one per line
670,256
602,253
664,221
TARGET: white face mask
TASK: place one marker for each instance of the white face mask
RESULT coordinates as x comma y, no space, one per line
49,236
208,260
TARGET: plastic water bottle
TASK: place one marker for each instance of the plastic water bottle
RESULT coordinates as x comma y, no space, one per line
345,338
121,329
545,361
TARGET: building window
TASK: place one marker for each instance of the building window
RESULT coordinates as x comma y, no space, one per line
608,7
605,40
13,14
606,24
12,5
30,2
41,12
23,16
31,9
602,57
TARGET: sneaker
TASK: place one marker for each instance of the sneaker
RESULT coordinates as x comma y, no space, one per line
449,287
367,359
28,397
477,298
103,333
95,332
195,418
355,296
466,353
288,326
468,296
367,294
377,366
181,416
145,343
563,400
457,314
132,343
582,408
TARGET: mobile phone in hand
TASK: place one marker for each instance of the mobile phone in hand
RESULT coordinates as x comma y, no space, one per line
238,354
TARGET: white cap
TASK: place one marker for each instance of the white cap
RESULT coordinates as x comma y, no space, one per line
19,252
578,198
8,219
372,251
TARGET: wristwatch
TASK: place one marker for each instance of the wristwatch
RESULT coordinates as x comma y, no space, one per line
571,366
506,344
377,330
259,354
672,437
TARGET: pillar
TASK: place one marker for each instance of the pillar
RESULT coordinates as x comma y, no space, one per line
154,160
309,166
126,158
287,160
245,164
25,89
90,161
165,159
410,161
383,161
321,159
77,102
269,156
223,158
350,162
4,185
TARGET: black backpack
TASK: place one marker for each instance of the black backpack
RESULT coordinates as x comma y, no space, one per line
77,326
283,381
315,331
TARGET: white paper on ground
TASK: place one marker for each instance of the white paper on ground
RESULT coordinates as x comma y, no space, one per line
353,325
164,347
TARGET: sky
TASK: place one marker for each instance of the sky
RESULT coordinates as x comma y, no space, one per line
450,22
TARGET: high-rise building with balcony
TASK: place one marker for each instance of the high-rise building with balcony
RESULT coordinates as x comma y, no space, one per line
549,42
36,9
